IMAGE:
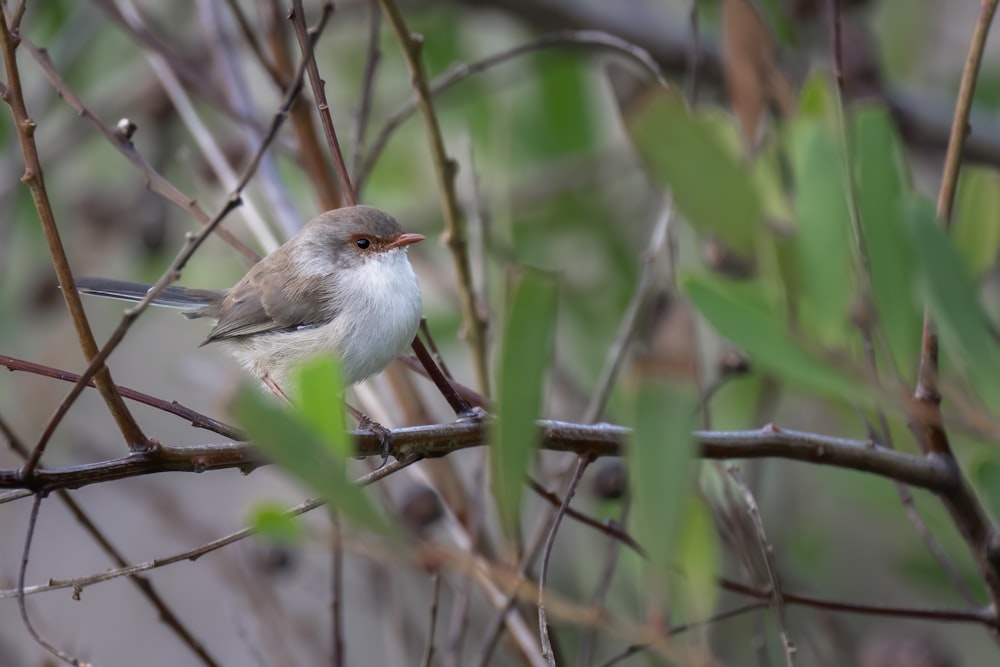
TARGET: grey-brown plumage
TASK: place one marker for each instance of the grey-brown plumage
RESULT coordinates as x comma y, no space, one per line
343,285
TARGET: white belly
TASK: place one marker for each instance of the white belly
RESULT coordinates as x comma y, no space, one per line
379,317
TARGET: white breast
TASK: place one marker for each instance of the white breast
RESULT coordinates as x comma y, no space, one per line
379,316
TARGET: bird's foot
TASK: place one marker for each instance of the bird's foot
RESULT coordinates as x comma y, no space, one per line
383,434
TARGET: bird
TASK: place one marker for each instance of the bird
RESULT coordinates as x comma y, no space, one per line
342,286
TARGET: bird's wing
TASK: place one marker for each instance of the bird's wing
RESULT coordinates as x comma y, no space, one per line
264,301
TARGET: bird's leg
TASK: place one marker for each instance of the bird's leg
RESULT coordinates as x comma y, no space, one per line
366,423
275,389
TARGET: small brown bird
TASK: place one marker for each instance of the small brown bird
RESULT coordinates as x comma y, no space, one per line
343,285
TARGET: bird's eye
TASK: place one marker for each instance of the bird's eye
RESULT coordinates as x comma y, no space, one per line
364,243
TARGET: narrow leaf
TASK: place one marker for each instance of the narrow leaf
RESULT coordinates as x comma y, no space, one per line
952,296
661,466
524,355
730,308
824,231
977,222
882,192
300,449
711,187
321,404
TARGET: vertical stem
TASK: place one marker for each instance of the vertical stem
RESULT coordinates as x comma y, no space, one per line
34,179
444,170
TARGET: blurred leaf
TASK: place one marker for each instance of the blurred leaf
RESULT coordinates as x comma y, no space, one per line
881,192
271,520
558,119
729,307
976,227
753,78
711,188
300,449
524,357
817,100
320,402
699,558
661,467
952,297
824,231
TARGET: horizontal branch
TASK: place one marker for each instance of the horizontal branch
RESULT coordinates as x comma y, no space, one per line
597,440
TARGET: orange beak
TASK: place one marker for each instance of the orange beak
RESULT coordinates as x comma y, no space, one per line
405,240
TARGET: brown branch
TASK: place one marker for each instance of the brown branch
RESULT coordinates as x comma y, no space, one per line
79,583
985,617
196,419
373,55
22,573
167,615
474,325
121,140
191,245
301,119
306,44
777,595
34,179
442,439
962,504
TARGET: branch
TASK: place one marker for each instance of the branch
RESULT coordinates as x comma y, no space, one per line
596,440
13,95
474,324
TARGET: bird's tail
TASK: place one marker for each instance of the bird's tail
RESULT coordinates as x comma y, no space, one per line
185,298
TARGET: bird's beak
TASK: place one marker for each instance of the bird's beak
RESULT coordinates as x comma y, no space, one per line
405,240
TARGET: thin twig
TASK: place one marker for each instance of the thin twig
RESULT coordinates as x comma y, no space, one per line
543,621
196,553
429,649
319,95
191,245
21,605
251,38
167,615
474,327
34,179
210,148
589,639
684,627
637,307
121,141
777,599
197,419
336,591
373,55
321,179
587,39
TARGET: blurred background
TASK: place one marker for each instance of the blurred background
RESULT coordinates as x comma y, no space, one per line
548,178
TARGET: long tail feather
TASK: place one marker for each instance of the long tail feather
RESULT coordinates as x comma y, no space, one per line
172,297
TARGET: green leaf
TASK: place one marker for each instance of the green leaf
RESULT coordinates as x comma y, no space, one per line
273,522
524,356
881,193
711,186
976,226
661,467
953,299
817,100
300,449
698,558
320,402
824,231
730,308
